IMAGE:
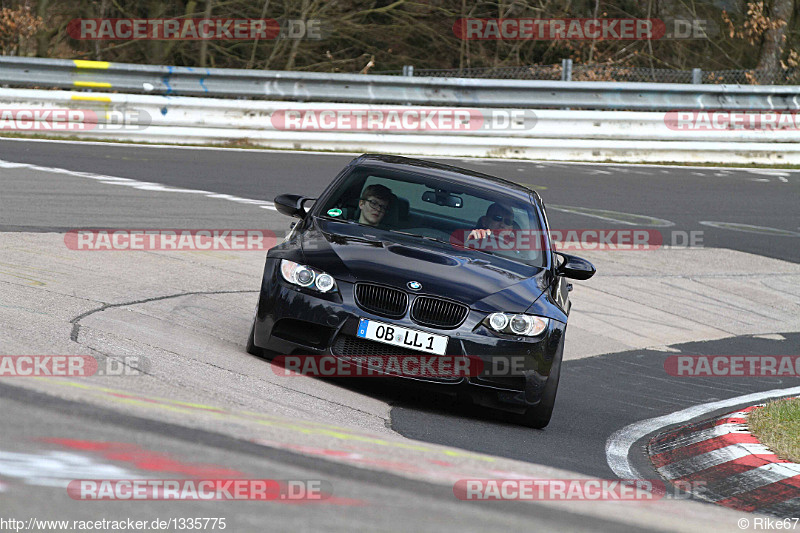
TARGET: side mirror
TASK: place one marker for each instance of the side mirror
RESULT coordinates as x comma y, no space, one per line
575,267
291,205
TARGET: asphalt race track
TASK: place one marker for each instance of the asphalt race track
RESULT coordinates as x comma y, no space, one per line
391,454
684,196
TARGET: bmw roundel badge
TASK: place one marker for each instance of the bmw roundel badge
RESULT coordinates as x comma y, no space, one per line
414,285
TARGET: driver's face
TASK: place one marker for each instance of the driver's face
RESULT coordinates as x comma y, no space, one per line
372,210
500,220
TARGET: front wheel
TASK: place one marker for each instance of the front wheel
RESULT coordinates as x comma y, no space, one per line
539,416
252,349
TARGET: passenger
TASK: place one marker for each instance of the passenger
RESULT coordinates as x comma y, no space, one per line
374,204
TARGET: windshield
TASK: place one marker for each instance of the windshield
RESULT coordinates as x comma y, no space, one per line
428,207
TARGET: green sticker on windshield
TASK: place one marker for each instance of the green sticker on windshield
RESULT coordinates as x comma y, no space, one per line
334,212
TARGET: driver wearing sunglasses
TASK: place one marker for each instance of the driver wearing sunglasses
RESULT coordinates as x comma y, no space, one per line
497,219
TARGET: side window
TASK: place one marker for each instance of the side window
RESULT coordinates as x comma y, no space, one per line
522,219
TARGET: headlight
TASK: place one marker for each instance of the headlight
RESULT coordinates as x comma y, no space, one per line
304,276
517,324
325,282
498,321
520,324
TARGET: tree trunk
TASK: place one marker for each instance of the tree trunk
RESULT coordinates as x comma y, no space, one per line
252,60
155,48
43,36
769,60
296,43
98,50
204,43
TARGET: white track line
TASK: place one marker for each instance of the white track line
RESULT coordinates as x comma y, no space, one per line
620,442
356,154
141,185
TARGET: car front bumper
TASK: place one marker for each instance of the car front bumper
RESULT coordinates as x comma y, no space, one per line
291,320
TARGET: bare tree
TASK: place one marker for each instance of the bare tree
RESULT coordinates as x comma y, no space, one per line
775,38
387,34
204,42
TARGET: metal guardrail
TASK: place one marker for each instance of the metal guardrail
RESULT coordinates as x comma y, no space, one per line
372,89
553,134
567,71
142,113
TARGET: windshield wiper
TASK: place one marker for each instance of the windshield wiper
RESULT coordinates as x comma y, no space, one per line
434,239
344,220
418,236
340,238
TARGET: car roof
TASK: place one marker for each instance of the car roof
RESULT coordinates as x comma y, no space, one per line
445,172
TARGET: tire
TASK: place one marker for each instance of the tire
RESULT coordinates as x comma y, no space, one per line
539,416
252,349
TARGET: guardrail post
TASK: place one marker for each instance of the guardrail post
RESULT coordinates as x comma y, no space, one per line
408,70
697,75
566,70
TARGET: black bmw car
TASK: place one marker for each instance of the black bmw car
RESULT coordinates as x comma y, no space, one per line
404,257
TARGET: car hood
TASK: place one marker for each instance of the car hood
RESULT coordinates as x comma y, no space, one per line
353,253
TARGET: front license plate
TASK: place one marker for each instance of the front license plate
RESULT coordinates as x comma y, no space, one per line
404,337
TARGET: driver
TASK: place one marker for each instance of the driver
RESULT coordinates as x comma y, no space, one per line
374,204
497,219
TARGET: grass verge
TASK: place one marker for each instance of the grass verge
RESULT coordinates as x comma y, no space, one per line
777,425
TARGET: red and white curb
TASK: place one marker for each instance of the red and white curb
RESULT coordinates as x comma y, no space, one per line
725,464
